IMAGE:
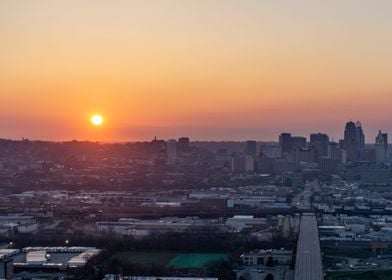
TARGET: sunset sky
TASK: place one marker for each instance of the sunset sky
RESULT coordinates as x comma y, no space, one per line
210,70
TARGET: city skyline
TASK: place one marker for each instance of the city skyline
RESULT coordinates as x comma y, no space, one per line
368,139
219,70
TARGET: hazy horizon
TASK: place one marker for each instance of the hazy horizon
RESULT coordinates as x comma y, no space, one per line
165,134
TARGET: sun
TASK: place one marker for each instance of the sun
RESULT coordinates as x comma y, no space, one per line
96,120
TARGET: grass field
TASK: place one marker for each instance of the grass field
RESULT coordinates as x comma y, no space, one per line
361,275
146,258
195,260
169,259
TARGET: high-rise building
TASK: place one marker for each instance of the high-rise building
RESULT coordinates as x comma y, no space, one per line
360,136
354,140
385,136
319,141
286,143
381,147
183,144
250,148
298,142
158,149
333,151
171,151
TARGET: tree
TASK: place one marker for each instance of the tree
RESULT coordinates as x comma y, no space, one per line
269,277
270,262
221,269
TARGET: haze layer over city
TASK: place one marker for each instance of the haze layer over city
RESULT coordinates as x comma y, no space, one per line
191,140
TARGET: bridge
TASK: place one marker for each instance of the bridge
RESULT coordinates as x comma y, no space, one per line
308,264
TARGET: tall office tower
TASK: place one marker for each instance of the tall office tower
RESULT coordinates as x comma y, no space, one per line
360,138
381,147
385,136
250,148
158,149
319,141
183,144
286,143
333,151
351,141
298,142
171,151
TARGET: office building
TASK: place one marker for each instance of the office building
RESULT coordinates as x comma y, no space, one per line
237,164
298,142
183,144
381,147
360,136
319,141
286,143
354,141
250,148
171,151
334,151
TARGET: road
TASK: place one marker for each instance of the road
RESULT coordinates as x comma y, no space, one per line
302,200
308,264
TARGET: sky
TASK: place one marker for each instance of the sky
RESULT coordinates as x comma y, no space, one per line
210,70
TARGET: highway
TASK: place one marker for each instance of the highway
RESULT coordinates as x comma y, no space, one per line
302,200
308,264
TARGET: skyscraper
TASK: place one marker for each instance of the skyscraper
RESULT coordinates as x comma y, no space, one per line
171,151
250,148
381,147
319,141
286,143
183,144
360,138
333,151
385,136
354,140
